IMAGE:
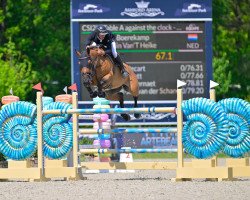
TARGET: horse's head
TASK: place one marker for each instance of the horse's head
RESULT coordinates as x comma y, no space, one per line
95,51
86,71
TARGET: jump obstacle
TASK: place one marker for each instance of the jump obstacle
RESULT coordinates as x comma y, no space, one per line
54,168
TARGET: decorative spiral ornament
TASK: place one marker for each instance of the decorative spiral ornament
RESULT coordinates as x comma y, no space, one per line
47,100
57,132
18,133
238,114
206,129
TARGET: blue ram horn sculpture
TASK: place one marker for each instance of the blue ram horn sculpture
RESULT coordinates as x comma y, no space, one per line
238,114
57,131
206,130
18,133
47,100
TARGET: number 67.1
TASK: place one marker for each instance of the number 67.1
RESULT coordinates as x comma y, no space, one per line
164,56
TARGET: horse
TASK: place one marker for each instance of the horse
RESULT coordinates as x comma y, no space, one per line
107,77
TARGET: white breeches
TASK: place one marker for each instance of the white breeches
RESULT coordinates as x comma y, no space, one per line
113,47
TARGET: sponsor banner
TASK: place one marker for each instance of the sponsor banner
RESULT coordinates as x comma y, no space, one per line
147,140
139,9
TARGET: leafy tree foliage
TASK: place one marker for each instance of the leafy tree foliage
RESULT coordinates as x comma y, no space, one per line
15,72
41,31
231,46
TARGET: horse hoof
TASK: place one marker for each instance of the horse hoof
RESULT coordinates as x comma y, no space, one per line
101,94
126,117
93,94
137,115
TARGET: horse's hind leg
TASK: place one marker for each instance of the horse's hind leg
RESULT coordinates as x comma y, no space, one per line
126,117
118,97
134,92
137,115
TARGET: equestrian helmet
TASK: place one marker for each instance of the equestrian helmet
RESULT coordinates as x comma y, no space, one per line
100,29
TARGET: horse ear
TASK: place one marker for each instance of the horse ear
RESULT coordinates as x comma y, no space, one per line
78,53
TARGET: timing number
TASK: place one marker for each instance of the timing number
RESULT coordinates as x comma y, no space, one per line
164,56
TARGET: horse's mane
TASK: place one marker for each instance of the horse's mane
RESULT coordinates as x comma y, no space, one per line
111,60
105,57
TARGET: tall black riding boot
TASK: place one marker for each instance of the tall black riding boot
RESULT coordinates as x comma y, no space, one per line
121,66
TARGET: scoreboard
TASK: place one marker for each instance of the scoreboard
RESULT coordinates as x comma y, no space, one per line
160,53
161,40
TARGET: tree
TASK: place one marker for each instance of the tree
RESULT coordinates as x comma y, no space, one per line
221,72
231,29
40,30
15,72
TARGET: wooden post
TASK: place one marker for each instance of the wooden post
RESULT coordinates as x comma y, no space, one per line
39,132
179,128
40,158
75,130
212,96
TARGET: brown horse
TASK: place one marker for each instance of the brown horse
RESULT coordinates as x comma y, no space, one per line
108,78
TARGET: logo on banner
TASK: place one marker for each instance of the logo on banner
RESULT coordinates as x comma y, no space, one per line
194,8
142,10
92,8
192,27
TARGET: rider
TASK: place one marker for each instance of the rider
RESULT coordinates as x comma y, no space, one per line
102,36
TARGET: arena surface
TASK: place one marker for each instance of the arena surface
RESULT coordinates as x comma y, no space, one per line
143,184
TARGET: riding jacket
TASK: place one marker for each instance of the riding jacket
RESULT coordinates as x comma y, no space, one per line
109,38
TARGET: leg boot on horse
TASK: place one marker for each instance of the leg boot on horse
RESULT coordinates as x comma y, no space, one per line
100,94
136,115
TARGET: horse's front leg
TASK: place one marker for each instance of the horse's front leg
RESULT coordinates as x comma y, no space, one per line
100,94
92,93
86,79
137,115
125,116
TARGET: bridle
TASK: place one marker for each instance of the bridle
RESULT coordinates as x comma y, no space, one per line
87,77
